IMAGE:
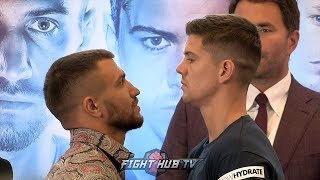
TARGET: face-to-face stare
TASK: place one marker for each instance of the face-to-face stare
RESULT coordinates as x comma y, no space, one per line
199,72
305,63
151,42
274,37
119,98
33,34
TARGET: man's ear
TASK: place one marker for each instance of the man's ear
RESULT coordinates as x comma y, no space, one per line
90,106
293,40
226,70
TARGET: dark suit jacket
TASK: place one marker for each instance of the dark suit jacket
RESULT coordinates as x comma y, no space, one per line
297,142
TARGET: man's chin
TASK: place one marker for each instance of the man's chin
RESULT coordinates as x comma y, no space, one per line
138,122
135,123
195,102
16,135
185,99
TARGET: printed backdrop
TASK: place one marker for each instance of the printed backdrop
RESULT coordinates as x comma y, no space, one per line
148,39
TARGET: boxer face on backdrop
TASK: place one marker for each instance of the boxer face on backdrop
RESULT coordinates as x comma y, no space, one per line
305,62
33,34
151,41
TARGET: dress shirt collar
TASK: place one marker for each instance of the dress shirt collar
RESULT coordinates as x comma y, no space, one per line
274,94
102,141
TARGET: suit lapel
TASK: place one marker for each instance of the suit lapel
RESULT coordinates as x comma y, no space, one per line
297,114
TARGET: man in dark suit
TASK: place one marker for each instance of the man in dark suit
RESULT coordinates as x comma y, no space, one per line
293,111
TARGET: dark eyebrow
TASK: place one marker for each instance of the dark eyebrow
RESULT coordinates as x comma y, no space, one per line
189,53
265,24
168,35
316,6
57,8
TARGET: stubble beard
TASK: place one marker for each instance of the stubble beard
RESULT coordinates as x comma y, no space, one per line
13,139
124,120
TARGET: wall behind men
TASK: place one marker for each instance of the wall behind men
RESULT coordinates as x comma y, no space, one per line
149,53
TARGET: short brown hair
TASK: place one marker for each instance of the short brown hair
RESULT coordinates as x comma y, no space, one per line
64,74
289,11
230,37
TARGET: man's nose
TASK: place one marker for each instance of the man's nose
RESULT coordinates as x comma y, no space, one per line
133,90
14,61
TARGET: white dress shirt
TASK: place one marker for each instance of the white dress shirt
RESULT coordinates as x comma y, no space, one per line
277,98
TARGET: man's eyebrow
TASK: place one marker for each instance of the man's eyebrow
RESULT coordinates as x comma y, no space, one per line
140,28
264,24
55,9
317,7
189,53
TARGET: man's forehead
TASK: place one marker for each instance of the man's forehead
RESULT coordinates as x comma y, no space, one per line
172,15
14,8
309,5
169,8
261,14
109,69
193,45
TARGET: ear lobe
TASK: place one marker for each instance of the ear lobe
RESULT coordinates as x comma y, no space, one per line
293,41
91,107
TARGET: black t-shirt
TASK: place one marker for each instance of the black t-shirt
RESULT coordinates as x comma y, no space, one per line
242,151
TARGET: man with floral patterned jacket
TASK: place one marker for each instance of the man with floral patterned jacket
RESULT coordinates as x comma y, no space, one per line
88,93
